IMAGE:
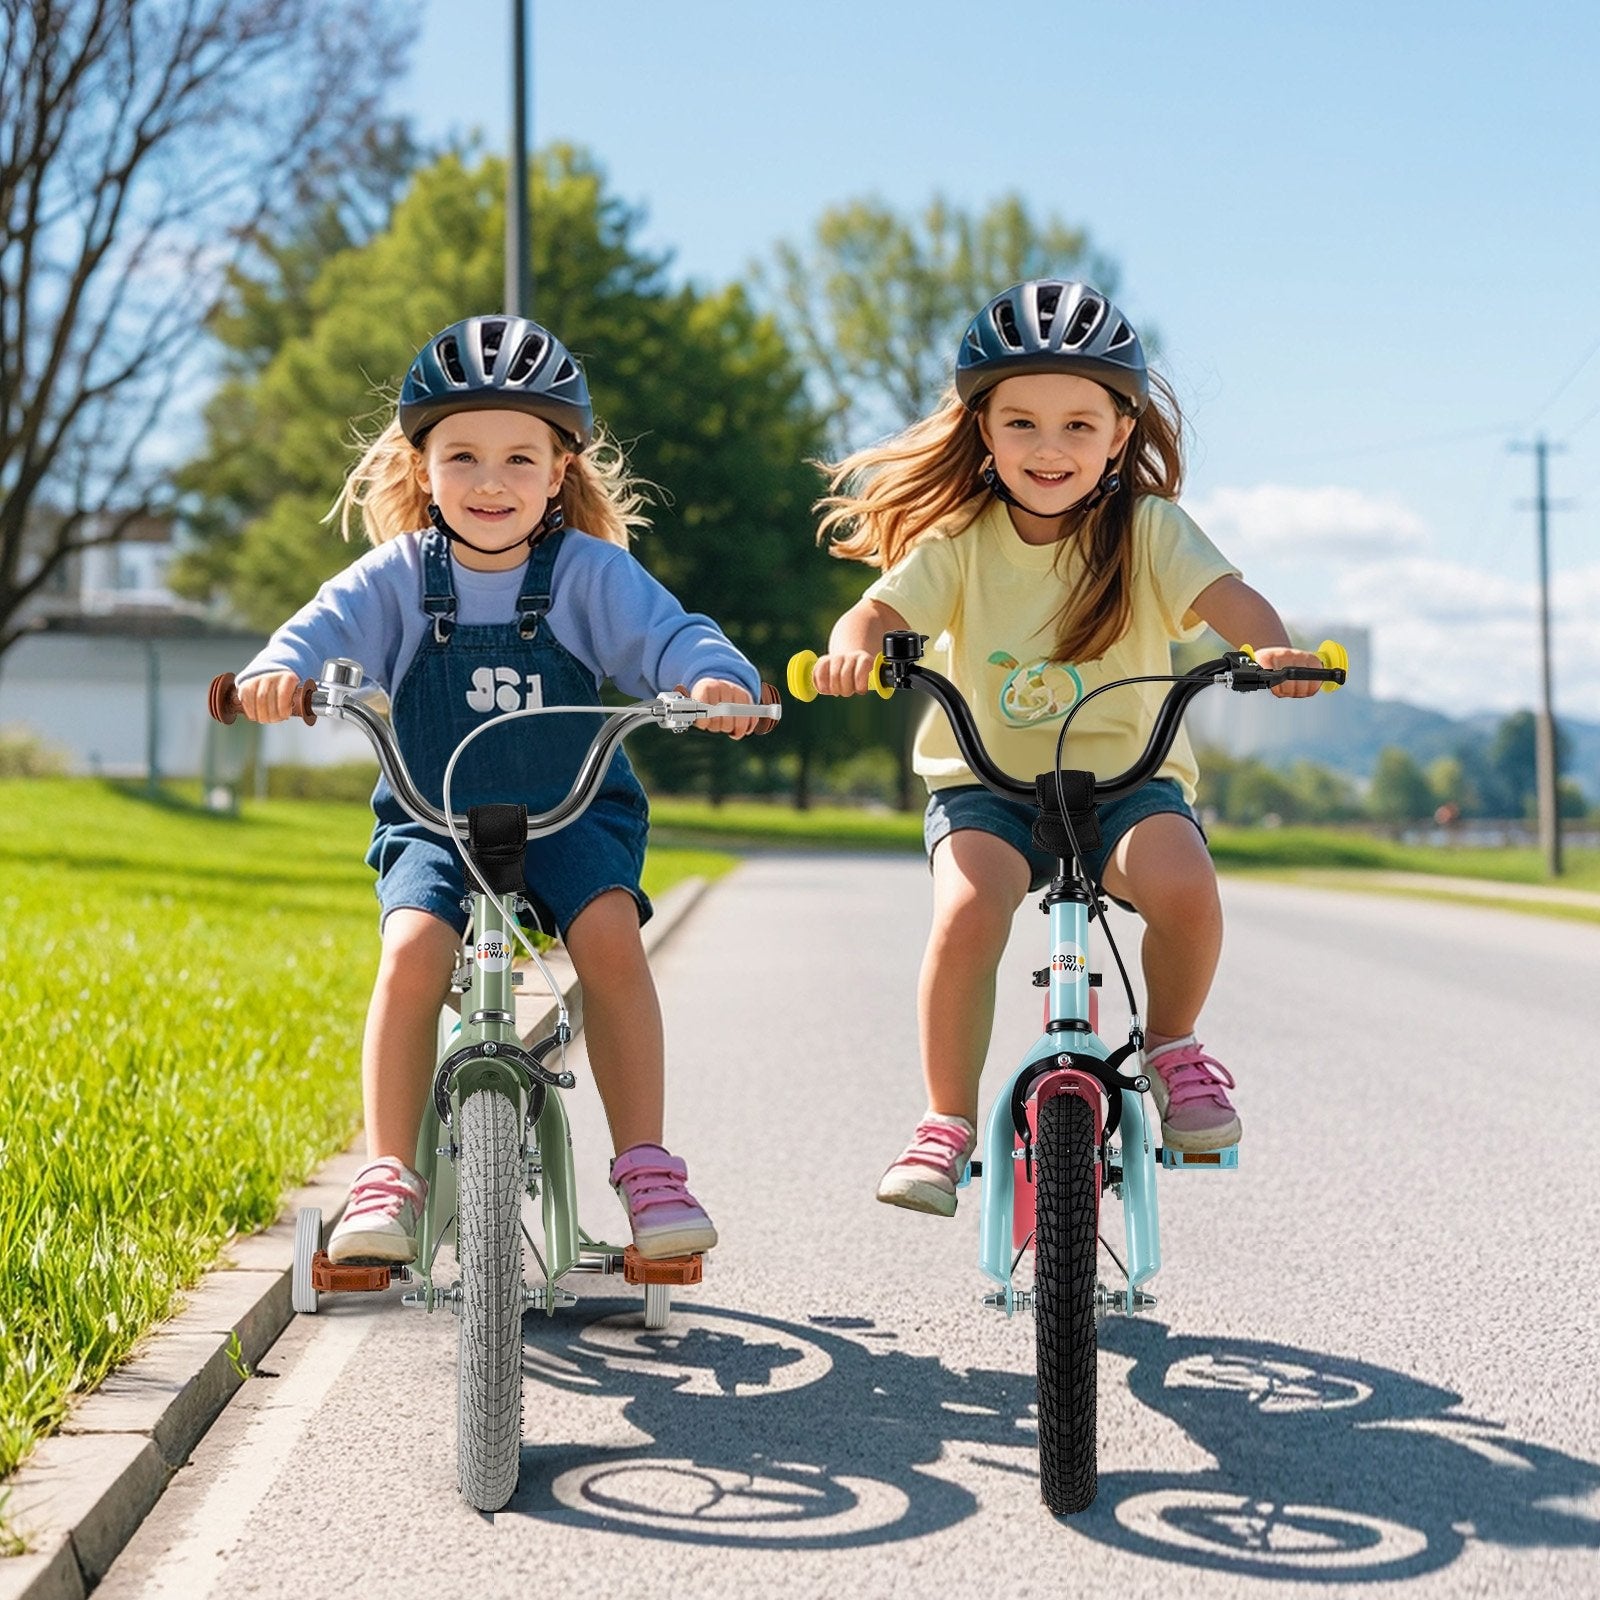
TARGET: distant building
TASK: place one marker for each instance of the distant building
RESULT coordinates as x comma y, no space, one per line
114,668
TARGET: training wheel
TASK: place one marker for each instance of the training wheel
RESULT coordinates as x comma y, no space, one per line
657,1306
307,1243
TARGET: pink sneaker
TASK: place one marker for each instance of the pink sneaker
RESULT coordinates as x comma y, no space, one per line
925,1176
667,1220
1190,1090
380,1218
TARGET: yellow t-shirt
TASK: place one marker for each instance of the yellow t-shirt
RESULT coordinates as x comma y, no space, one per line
987,600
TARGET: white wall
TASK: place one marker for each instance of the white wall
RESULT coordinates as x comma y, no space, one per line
90,695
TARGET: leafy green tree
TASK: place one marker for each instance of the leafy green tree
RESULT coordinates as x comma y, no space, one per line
1400,791
877,301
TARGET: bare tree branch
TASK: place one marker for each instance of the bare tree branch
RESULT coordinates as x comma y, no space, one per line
145,147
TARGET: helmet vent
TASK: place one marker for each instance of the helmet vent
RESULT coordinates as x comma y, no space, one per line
492,336
1084,321
526,360
1049,299
564,374
449,353
1121,338
1005,324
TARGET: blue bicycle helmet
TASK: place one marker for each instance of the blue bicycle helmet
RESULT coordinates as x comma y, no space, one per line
496,363
1053,325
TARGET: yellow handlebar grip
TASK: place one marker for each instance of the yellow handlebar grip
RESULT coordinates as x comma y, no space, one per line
1333,655
883,689
801,683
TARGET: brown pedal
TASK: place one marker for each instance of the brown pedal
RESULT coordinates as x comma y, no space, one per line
327,1278
663,1269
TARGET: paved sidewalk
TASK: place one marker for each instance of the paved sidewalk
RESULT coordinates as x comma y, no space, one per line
82,1494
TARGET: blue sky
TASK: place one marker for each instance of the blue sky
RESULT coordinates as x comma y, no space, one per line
1368,235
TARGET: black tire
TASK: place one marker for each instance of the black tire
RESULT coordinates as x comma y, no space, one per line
489,1249
1064,1304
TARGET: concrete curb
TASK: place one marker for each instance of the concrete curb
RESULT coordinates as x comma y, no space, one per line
82,1494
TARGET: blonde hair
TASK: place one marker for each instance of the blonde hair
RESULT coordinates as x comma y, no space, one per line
929,478
598,495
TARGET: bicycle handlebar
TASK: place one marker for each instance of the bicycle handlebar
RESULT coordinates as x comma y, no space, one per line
340,693
898,668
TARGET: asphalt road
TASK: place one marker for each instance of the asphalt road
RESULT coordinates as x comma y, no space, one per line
1373,1363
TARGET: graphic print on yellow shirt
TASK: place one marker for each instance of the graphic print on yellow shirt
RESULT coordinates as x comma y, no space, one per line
987,601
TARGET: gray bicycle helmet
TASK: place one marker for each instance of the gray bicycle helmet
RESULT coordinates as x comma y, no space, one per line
1053,325
494,363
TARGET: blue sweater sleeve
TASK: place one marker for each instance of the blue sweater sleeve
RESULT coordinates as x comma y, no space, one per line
368,613
631,629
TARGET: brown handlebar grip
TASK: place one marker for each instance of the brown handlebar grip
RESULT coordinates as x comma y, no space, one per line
222,699
769,696
224,704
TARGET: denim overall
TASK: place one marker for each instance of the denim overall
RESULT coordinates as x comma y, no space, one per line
462,675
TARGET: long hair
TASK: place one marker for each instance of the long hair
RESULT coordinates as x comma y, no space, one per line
929,478
598,495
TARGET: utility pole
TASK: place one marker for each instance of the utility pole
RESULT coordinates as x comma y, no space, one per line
519,272
1545,725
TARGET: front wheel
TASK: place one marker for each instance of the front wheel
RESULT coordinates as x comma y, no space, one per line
489,1251
1064,1303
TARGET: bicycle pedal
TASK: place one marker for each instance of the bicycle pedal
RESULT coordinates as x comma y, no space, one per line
1214,1159
347,1277
660,1269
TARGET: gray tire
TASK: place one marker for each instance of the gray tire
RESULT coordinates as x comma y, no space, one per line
489,1251
307,1242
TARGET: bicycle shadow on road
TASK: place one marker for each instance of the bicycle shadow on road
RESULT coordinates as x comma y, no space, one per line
758,1432
1327,1469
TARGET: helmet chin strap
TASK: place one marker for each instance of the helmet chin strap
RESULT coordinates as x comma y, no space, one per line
548,524
1108,485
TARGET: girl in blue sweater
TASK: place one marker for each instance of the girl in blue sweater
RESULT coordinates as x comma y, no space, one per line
500,577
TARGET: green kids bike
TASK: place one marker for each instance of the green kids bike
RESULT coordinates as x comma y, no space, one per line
494,1130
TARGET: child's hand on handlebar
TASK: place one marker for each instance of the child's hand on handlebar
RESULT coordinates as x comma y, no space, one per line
845,672
716,691
269,697
1281,655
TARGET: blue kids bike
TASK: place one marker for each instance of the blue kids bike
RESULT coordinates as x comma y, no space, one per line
1047,1149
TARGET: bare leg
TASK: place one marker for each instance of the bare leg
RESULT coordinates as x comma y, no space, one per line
1161,865
621,1017
978,883
397,1049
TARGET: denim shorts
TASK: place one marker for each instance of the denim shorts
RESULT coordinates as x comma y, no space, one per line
970,805
604,849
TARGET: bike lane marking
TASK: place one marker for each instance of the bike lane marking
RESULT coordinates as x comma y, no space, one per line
192,1568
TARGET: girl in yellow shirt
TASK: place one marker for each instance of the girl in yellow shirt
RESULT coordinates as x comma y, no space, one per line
1029,528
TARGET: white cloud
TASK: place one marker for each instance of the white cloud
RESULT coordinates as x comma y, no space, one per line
1444,633
1278,522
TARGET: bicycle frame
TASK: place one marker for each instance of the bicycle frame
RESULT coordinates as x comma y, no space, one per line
1048,1069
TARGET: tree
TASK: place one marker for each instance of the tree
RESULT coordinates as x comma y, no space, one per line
699,386
877,302
1400,790
142,148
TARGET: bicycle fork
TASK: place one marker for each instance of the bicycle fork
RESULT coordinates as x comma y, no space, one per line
1059,1064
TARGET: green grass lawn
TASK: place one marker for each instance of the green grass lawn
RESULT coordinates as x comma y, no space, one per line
179,1047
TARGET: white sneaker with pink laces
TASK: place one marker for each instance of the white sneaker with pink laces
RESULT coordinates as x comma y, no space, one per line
380,1218
1190,1090
930,1167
